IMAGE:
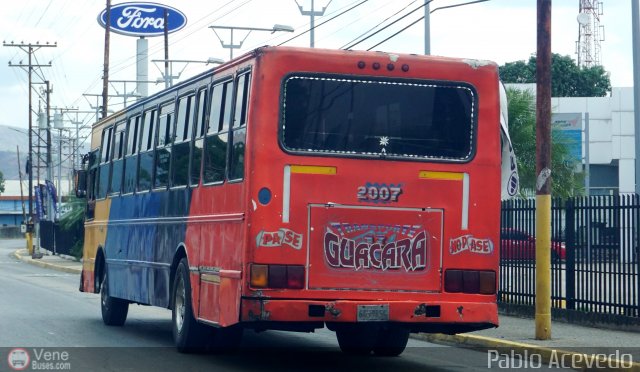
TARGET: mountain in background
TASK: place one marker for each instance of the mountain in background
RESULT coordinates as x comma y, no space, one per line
10,139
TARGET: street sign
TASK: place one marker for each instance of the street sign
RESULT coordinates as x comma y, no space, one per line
142,19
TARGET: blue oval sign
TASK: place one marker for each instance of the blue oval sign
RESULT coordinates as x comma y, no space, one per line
142,19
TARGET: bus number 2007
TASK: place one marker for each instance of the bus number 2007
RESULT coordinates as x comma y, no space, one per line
377,193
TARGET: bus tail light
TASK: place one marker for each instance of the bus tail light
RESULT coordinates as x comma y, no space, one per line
470,281
259,277
295,277
277,276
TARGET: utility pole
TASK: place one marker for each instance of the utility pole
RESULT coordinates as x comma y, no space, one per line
312,14
166,52
427,28
543,171
30,49
105,75
635,32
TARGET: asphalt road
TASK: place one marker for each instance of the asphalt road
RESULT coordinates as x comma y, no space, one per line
42,310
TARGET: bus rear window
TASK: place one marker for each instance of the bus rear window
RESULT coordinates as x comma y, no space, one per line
378,117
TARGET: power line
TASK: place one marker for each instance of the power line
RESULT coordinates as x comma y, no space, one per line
396,34
322,23
346,46
390,24
413,23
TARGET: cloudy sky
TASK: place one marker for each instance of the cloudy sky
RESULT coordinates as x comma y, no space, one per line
499,30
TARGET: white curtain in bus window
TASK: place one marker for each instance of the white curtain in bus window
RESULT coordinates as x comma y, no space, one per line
379,117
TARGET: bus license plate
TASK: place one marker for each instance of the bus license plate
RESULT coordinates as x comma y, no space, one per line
373,313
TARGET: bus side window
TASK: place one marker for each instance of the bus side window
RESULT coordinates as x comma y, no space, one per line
103,172
130,160
117,162
147,136
163,148
200,122
94,160
239,130
181,146
215,156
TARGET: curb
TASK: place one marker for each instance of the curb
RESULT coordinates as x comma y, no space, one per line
575,359
46,265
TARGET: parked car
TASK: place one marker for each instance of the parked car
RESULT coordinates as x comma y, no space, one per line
519,245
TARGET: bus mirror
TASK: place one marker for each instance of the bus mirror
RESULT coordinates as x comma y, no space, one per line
80,180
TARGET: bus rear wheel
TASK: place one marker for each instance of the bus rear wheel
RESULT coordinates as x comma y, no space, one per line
225,339
114,310
357,339
188,334
391,341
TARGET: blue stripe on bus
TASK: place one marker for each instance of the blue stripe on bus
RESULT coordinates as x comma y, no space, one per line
141,230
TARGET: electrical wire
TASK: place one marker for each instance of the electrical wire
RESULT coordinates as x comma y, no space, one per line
421,18
390,24
346,46
396,34
324,22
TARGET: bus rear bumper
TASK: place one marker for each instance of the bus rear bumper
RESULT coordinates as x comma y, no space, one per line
447,317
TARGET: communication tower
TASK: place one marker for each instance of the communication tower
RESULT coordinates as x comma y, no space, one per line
590,34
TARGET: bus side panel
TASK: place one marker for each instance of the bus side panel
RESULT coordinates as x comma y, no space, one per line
94,238
215,235
140,254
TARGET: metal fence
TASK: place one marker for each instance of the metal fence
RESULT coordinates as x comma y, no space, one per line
594,266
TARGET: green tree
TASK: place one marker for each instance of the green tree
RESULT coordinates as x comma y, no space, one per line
567,79
522,129
1,183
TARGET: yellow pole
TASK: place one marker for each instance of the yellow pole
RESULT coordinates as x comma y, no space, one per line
543,267
543,171
29,237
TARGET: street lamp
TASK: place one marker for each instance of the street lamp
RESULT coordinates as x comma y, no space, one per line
231,46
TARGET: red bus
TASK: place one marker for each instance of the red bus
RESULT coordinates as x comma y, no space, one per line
294,189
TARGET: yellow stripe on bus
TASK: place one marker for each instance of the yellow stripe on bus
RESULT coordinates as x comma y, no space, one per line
434,175
313,169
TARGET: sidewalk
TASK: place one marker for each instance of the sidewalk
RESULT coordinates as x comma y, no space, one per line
515,335
50,262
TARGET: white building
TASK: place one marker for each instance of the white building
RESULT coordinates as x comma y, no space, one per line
611,150
611,140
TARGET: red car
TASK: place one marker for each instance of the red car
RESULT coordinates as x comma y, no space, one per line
519,245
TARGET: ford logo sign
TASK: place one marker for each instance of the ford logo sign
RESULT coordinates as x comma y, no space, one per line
142,19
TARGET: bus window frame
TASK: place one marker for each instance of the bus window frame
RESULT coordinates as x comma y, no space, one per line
168,144
199,134
124,123
219,82
247,73
135,120
152,110
438,83
192,93
108,128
